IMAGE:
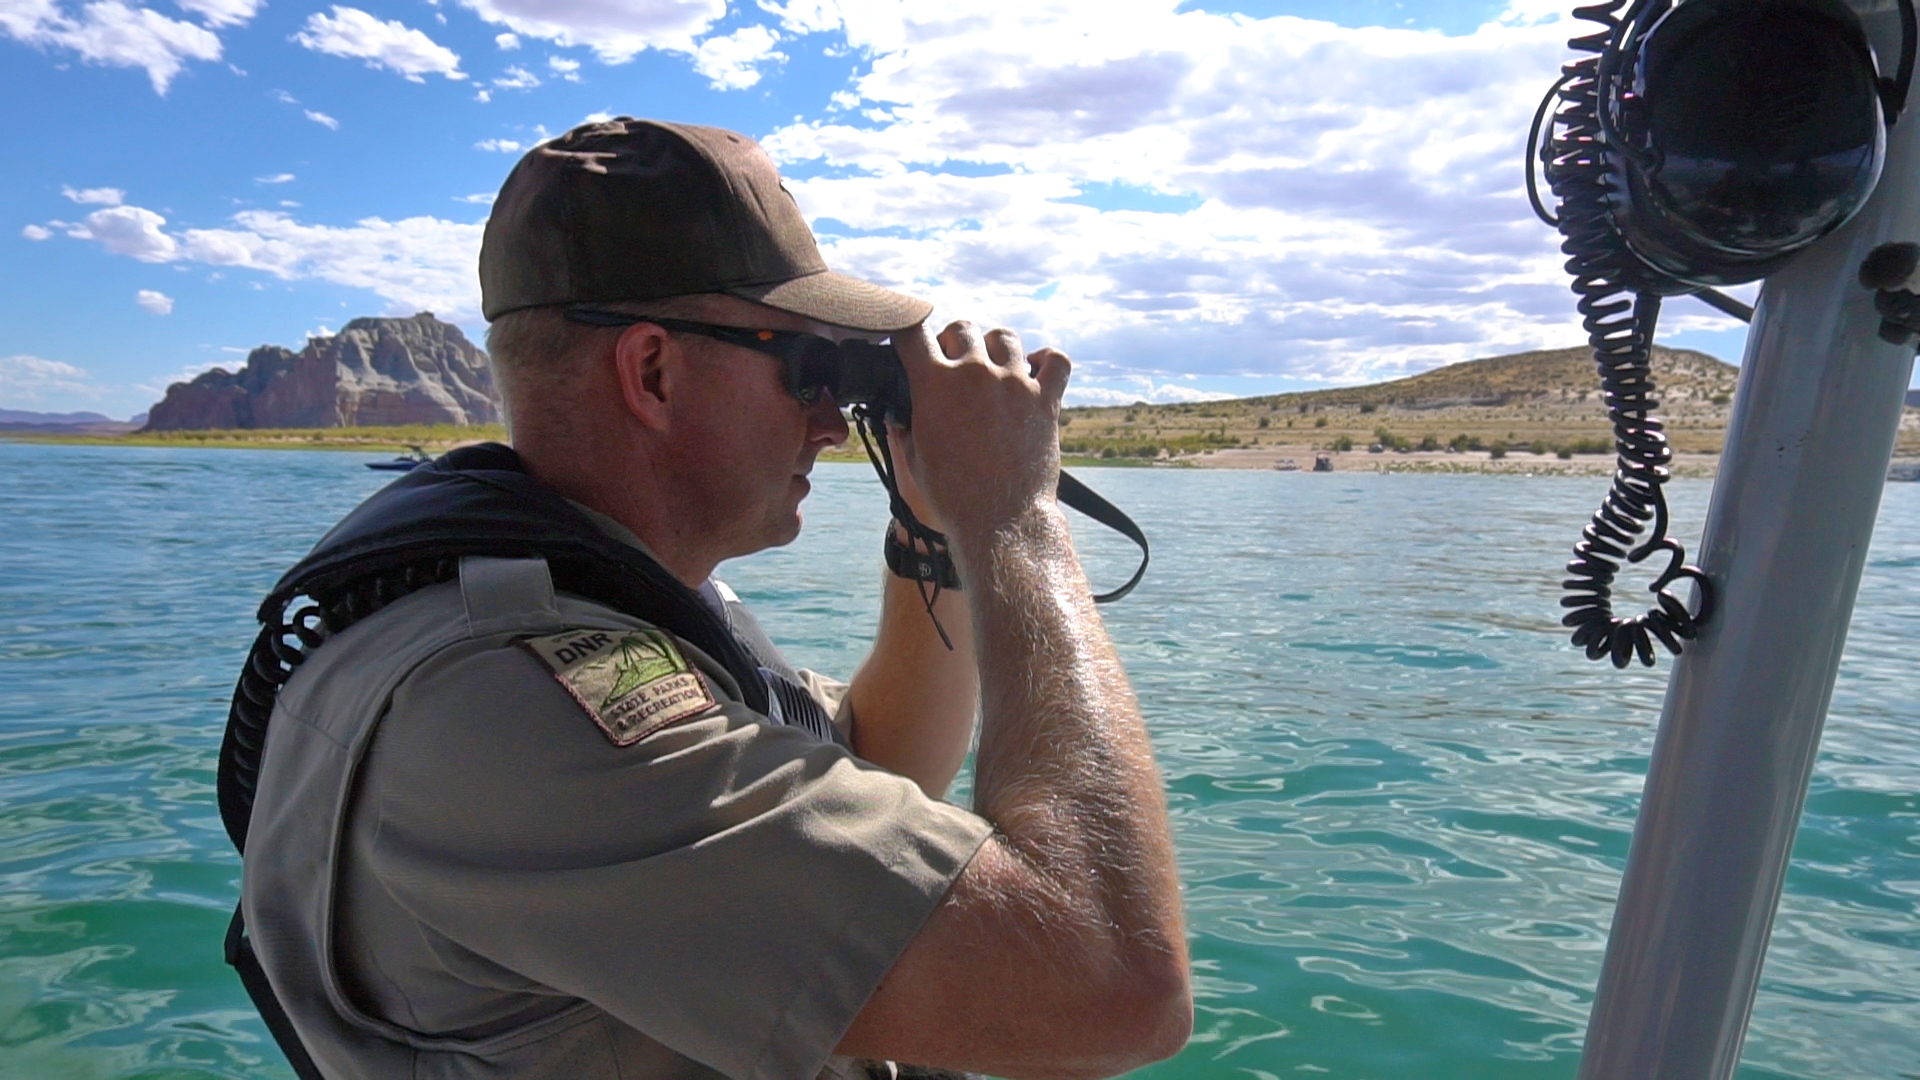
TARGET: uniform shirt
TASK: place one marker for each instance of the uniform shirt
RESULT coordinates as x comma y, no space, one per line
517,894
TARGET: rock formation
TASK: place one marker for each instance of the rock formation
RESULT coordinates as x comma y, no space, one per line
374,372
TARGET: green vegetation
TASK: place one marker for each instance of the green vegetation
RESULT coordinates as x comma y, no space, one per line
1547,398
1536,403
431,437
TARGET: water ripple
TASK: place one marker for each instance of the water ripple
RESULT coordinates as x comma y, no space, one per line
1402,800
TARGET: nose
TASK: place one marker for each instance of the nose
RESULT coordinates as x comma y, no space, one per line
825,426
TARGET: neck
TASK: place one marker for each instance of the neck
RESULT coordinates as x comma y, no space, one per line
617,485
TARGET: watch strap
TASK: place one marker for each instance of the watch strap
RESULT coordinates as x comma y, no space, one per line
936,566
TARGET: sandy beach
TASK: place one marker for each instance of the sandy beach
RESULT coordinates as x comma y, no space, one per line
1521,463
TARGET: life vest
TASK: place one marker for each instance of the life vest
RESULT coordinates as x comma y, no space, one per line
475,501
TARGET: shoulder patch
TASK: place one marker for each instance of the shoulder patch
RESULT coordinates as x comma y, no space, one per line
632,682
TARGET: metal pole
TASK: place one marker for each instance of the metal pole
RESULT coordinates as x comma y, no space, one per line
1814,420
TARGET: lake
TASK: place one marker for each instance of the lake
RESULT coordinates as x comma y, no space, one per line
1402,800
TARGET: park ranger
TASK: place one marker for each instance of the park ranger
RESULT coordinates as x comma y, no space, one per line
543,801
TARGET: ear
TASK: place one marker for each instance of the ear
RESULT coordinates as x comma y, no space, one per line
646,361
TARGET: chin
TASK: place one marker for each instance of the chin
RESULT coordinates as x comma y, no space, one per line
788,533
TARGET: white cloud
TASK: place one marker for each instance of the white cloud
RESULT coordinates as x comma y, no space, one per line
285,98
36,233
158,303
31,380
1128,391
112,34
129,230
517,78
615,31
483,96
806,16
565,68
731,61
351,32
276,178
507,42
323,119
1188,192
484,198
499,146
415,264
219,13
99,196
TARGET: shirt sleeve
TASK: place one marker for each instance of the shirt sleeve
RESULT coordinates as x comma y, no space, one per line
733,889
831,693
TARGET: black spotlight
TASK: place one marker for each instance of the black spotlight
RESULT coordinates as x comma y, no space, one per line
1693,144
1742,131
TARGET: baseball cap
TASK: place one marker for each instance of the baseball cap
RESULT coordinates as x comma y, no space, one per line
628,209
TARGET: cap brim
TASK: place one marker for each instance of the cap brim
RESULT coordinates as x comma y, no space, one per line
840,300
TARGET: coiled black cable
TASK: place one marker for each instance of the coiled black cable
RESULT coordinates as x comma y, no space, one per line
285,642
1619,308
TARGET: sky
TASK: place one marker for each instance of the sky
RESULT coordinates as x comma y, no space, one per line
1195,199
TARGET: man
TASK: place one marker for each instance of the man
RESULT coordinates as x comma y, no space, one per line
546,804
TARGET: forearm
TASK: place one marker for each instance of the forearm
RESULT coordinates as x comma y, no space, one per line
1064,769
913,699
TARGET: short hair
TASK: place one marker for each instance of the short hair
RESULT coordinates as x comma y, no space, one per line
537,352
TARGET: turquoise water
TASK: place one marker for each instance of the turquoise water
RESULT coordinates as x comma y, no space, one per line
1402,801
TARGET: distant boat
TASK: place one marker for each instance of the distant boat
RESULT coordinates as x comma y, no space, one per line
1323,462
1286,465
412,459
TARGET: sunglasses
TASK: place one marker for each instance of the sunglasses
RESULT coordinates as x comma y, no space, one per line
850,372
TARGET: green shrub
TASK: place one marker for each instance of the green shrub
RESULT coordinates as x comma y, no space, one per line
1498,450
1391,441
1319,421
1342,444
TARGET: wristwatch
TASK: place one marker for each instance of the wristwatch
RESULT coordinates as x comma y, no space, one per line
935,566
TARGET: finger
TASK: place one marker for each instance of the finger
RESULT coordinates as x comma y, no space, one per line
961,340
1051,369
1004,348
916,348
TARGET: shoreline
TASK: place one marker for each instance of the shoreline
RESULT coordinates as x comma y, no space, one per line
1266,457
1465,462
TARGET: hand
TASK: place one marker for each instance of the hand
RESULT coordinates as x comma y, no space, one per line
985,444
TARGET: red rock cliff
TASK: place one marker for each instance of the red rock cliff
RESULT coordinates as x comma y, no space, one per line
374,372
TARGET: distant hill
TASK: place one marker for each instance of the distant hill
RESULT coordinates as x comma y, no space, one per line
1549,397
22,416
1554,374
373,373
91,423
